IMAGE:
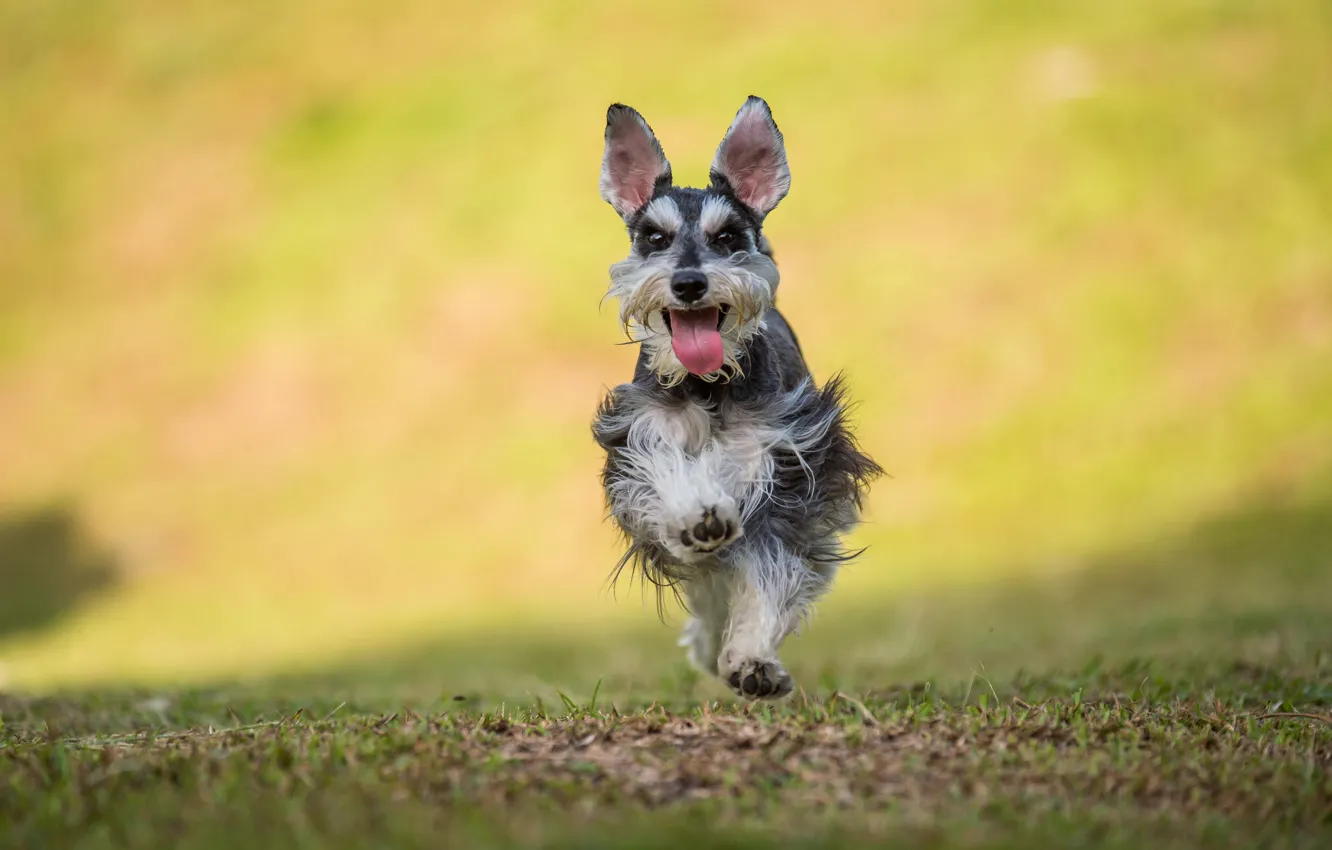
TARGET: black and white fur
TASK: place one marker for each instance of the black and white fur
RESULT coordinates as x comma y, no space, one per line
736,486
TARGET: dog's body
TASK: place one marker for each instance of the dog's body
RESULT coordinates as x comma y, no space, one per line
732,476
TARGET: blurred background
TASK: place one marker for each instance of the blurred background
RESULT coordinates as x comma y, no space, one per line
300,333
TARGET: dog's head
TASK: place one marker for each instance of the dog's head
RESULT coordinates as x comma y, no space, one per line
699,274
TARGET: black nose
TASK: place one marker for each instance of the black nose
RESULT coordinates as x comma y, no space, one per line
689,285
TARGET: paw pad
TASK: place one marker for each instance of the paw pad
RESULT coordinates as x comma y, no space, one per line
709,529
760,680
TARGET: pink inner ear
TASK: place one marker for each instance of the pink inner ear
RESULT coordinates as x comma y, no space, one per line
752,163
634,165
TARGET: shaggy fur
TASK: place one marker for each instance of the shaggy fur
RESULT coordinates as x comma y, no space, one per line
735,487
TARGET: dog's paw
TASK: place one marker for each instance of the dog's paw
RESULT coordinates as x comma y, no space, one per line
707,529
716,526
756,678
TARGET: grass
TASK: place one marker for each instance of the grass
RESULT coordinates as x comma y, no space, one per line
1102,758
1125,704
299,341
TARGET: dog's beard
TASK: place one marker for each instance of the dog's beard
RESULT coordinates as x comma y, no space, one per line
744,283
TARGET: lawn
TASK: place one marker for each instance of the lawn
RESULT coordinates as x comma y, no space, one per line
1180,696
301,540
905,770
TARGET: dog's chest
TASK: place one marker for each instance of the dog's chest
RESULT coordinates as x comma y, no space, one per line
727,439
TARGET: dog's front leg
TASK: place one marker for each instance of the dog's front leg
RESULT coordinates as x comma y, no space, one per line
700,512
772,591
675,501
669,484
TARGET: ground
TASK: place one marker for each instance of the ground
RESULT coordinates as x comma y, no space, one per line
1139,707
1119,760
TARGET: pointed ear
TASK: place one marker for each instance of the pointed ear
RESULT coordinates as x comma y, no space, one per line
751,160
634,166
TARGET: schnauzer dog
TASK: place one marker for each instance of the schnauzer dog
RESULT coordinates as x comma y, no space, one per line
732,476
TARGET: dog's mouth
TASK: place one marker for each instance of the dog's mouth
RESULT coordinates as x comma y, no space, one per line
720,312
696,337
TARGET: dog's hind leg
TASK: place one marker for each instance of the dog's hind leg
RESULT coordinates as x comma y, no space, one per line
772,591
708,596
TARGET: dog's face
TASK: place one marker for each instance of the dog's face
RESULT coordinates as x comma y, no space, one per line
698,276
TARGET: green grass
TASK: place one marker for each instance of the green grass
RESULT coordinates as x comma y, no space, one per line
1099,758
1175,695
299,342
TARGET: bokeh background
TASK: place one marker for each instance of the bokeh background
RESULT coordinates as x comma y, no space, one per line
301,333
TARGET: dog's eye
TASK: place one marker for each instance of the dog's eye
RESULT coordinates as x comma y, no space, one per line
656,239
725,238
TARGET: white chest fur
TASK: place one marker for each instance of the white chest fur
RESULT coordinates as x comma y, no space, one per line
683,461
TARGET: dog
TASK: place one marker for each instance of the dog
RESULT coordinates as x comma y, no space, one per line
731,474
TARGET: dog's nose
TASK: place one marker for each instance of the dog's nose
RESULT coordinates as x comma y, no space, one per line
689,285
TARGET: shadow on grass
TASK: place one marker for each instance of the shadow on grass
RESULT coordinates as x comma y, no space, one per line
48,565
1249,587
1237,607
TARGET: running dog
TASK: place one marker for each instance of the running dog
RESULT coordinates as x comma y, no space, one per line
732,475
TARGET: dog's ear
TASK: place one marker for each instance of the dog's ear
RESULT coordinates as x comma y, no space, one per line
633,167
751,161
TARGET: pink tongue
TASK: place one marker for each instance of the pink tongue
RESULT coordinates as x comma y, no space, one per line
696,340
